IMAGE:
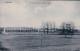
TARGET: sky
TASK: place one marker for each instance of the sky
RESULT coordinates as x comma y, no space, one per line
32,13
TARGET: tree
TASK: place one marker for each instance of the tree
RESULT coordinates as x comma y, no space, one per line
67,28
48,27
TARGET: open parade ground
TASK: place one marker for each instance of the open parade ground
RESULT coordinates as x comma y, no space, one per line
40,42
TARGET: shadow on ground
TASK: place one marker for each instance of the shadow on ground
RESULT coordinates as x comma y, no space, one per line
3,48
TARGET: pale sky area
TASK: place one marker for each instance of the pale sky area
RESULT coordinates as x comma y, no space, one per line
32,13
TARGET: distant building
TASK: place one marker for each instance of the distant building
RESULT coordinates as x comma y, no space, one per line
31,30
1,30
19,30
50,31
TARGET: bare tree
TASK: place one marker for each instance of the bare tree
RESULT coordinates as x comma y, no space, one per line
45,27
67,28
48,27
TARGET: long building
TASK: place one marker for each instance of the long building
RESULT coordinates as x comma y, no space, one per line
19,30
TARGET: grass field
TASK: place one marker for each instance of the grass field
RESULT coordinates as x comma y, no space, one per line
41,42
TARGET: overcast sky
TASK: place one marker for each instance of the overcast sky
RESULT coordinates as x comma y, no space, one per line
31,13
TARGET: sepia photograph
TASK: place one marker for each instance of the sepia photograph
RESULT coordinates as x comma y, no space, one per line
39,25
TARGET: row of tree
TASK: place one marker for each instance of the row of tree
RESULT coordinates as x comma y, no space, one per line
65,28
